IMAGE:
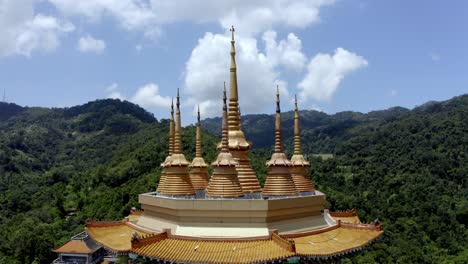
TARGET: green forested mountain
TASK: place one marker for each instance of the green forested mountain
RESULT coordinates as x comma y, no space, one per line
322,132
406,167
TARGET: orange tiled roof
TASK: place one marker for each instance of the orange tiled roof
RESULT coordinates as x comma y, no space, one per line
345,237
113,235
181,250
74,246
335,242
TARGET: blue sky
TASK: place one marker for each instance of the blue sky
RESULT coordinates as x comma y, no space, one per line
336,55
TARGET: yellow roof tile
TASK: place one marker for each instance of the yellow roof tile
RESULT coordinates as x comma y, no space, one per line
114,237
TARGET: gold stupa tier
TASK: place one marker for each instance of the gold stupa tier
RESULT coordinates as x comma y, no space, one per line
246,175
177,181
224,182
279,182
300,176
199,177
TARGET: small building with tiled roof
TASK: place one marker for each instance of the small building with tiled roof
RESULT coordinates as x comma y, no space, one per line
81,249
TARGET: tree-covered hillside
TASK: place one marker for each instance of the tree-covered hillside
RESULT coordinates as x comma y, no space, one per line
59,167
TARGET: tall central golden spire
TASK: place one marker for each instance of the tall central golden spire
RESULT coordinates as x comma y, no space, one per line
199,168
237,143
300,166
278,181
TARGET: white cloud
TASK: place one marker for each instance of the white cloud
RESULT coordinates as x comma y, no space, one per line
325,72
149,96
288,52
148,16
257,71
23,31
435,57
90,44
112,87
116,95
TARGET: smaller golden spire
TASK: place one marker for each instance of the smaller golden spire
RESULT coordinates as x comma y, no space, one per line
198,149
224,181
198,167
171,129
176,180
178,157
300,166
278,181
278,143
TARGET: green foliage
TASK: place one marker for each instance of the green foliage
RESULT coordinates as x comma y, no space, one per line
407,168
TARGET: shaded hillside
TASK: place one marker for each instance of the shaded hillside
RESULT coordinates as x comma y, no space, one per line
8,110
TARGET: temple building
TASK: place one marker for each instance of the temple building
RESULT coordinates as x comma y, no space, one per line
227,217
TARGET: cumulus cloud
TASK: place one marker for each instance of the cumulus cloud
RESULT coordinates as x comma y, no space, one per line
325,72
148,16
23,31
149,96
257,71
90,44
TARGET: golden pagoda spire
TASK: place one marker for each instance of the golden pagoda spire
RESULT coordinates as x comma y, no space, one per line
224,181
178,128
177,180
198,147
238,145
171,149
171,129
297,137
279,181
199,168
300,167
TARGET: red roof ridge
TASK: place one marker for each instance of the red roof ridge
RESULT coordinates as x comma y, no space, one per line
344,213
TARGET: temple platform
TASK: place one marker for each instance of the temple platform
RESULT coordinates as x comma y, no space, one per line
234,218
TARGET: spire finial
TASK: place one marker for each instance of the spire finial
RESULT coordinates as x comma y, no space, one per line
171,129
178,128
198,115
297,136
224,138
198,147
278,110
278,143
232,32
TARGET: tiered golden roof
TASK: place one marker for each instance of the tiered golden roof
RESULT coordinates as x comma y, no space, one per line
300,167
171,149
278,181
238,145
177,179
224,181
198,168
321,244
